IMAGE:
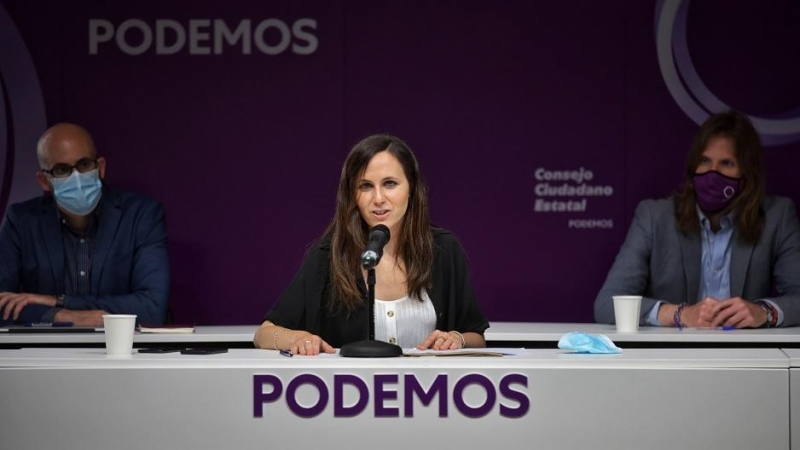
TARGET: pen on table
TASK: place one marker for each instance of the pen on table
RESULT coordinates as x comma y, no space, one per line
286,353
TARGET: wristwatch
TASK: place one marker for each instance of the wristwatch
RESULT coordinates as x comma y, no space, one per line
59,300
770,316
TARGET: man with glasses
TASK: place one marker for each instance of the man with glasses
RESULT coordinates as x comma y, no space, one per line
83,249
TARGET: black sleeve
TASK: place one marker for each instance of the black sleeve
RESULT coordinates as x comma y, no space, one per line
11,267
452,284
10,253
297,307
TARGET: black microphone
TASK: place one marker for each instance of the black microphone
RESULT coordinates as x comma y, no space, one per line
370,348
378,238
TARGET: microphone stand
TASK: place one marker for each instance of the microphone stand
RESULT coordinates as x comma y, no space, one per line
370,348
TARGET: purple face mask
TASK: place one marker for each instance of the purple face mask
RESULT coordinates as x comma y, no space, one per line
714,191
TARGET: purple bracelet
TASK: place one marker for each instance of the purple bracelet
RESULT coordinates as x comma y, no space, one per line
676,318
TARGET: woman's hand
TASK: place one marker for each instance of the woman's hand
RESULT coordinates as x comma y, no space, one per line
442,340
305,343
299,342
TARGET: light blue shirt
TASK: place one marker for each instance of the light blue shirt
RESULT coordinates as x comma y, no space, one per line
715,260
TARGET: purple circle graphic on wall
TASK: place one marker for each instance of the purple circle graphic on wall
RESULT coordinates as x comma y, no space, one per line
689,91
22,116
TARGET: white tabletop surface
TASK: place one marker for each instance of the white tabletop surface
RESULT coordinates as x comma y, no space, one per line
231,333
546,331
499,331
540,358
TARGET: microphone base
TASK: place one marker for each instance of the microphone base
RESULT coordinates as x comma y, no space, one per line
370,349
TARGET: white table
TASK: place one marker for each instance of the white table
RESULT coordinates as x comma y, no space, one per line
235,335
510,334
643,398
533,332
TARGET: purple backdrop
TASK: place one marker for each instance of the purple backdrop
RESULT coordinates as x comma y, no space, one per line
497,99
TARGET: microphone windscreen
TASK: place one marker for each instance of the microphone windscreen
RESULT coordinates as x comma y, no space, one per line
380,229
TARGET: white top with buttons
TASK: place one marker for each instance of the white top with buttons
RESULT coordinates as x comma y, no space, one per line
405,321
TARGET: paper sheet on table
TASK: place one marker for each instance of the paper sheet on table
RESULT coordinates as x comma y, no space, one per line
465,352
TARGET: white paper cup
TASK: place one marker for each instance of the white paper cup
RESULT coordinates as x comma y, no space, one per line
626,312
119,334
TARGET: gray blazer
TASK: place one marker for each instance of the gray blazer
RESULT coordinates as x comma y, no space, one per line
660,263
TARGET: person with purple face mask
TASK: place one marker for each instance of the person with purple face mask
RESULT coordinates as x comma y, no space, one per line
82,249
719,253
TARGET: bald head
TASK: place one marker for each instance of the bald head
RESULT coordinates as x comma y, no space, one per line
64,142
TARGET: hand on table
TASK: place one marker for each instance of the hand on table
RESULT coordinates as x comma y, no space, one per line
731,312
91,318
441,340
12,303
305,343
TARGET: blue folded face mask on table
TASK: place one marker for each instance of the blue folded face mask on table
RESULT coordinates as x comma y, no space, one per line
587,343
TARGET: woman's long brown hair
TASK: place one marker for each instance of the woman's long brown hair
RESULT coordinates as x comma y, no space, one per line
348,231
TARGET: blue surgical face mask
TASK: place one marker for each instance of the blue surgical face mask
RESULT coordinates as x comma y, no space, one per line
587,343
78,193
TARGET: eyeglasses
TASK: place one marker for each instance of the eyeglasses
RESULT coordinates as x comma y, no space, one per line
63,170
